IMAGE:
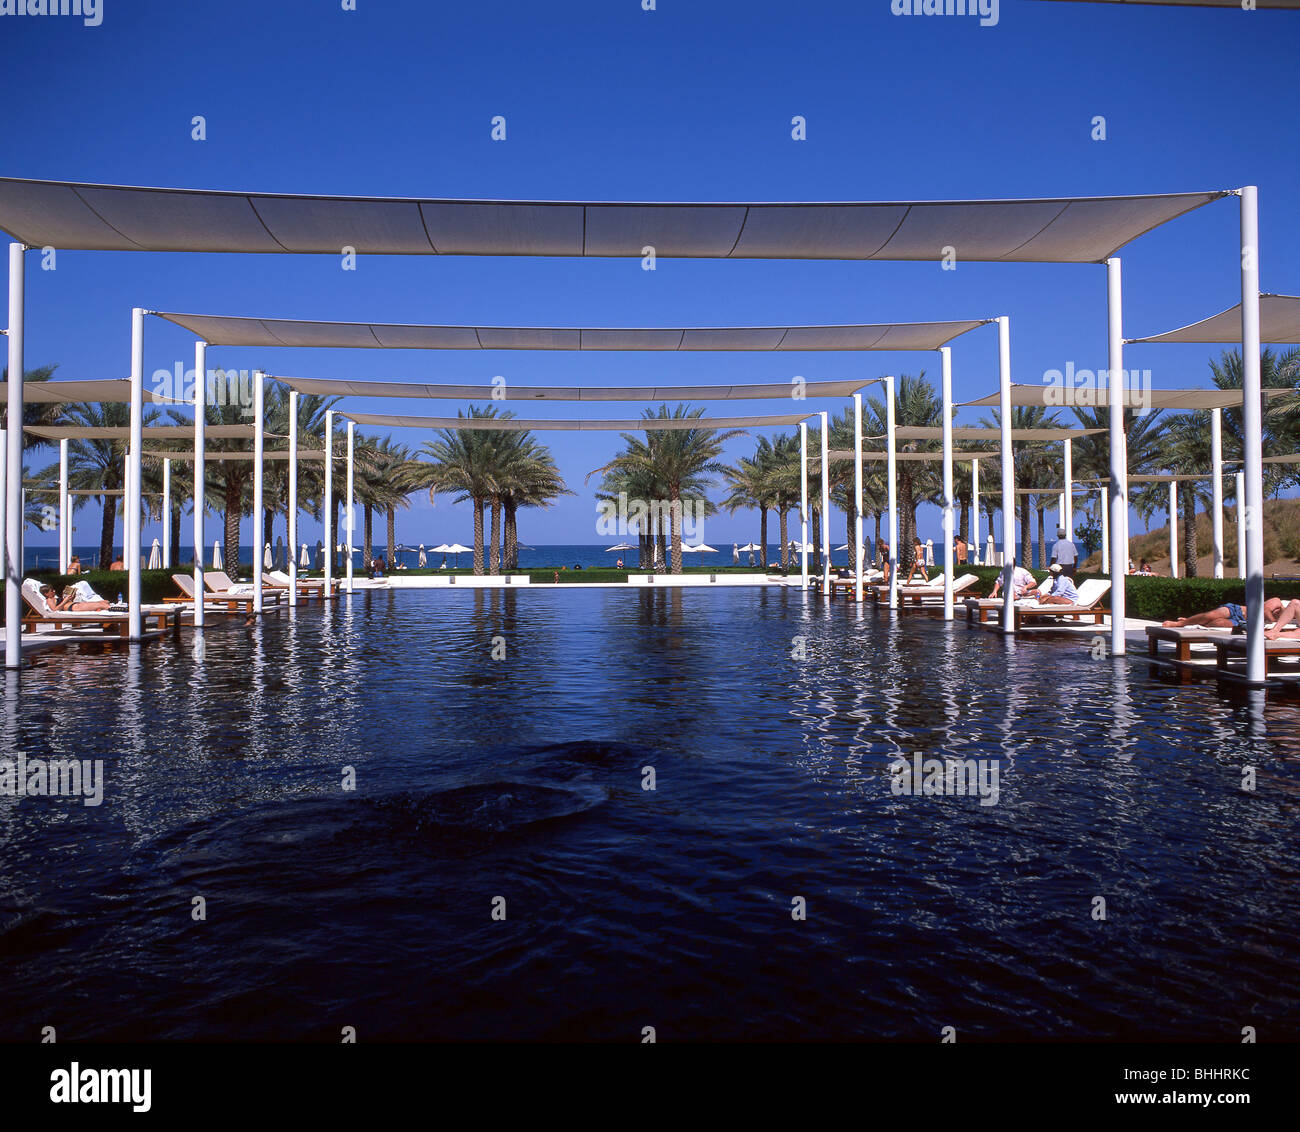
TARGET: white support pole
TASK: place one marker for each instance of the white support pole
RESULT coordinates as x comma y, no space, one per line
1173,528
65,541
293,499
351,502
327,510
891,469
131,533
826,505
1105,530
1251,435
945,359
259,386
975,508
4,500
200,493
14,464
803,500
167,515
1241,525
1216,509
1008,475
857,496
1118,456
1067,502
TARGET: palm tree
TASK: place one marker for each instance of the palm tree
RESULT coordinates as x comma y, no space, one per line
750,484
680,459
917,404
531,479
464,461
1188,452
96,464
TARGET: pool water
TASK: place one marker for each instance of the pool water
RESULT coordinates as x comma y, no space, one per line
501,871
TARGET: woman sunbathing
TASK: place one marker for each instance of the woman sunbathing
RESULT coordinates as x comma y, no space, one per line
1227,616
77,598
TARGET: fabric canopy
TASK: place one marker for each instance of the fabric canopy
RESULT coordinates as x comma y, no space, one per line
111,390
1290,458
513,424
151,432
1134,397
1279,324
267,454
979,432
847,454
222,330
1154,478
780,390
123,218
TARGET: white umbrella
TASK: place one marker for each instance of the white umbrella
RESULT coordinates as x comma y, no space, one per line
423,559
619,546
305,560
750,546
155,556
844,547
216,555
701,549
456,549
267,560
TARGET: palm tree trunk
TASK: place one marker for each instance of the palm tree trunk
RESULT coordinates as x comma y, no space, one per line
762,536
268,530
494,543
337,533
875,542
1042,542
511,533
964,529
1190,550
907,524
1024,530
391,536
478,536
367,536
675,525
784,524
106,531
661,564
850,510
234,496
176,535
817,539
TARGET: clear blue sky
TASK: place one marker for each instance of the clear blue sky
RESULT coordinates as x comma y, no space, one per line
692,101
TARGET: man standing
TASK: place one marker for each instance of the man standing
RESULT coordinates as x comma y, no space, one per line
1064,553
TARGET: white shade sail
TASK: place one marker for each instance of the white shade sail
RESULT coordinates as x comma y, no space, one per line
217,455
514,424
780,390
76,215
223,330
112,390
151,432
979,432
1279,324
920,457
1134,397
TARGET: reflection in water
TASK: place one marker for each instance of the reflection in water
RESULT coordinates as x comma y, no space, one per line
770,719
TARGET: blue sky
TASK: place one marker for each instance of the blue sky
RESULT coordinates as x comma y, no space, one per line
604,100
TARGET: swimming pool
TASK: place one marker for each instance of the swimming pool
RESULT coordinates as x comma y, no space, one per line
501,743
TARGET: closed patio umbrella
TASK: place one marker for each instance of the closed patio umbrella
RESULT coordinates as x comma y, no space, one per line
267,561
281,562
305,560
155,556
423,559
216,555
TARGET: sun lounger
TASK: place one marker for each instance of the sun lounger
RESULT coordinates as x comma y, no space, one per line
1181,639
1232,647
1029,610
928,595
110,622
307,587
231,602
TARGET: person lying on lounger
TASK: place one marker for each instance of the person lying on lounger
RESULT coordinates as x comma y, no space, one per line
1289,613
1062,591
1022,583
77,598
1227,616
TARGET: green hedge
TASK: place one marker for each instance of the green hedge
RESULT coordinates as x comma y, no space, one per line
1162,599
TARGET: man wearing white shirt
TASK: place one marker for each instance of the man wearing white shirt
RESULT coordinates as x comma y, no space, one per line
1022,583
